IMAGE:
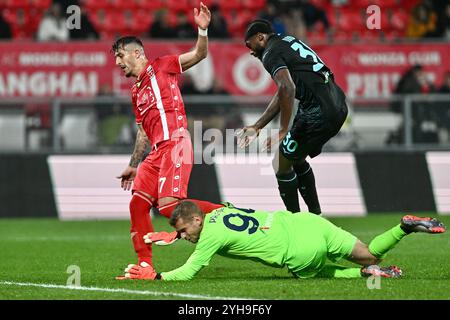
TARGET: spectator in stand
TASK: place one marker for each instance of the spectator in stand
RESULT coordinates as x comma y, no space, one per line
188,87
183,29
218,28
113,119
160,27
444,107
67,3
296,26
87,30
424,116
272,14
53,25
312,14
443,30
422,22
446,84
5,29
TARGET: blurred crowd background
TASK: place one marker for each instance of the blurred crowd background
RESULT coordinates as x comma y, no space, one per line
310,20
371,124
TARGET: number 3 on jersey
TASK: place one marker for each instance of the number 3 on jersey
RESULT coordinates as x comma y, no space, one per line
246,220
306,51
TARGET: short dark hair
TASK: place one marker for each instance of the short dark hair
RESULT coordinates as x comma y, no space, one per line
123,41
185,210
258,25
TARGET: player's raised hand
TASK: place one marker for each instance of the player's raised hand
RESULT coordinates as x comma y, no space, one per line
202,16
127,177
247,135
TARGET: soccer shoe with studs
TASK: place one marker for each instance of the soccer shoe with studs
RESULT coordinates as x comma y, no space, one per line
418,224
162,238
385,272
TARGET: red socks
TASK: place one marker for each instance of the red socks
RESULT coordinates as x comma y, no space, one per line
141,224
205,206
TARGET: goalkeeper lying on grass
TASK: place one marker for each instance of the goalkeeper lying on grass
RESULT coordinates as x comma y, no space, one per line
303,242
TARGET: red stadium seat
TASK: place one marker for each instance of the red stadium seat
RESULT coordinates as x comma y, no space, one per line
323,4
16,4
99,4
144,18
363,4
254,4
41,4
370,35
317,36
392,35
126,4
148,5
227,5
178,5
341,36
115,21
20,21
237,20
196,3
399,20
349,20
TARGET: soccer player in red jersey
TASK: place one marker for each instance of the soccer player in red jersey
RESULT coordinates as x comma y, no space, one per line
162,178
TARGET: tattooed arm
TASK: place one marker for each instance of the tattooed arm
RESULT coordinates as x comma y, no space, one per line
127,176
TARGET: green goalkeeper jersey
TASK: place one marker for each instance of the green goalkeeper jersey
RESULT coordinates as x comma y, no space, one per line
241,233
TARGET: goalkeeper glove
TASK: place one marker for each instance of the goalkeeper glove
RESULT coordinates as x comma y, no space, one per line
162,238
142,271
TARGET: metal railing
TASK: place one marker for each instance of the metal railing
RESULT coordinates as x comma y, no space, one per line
369,120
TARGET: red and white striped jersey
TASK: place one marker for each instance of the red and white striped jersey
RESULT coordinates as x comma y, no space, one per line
157,101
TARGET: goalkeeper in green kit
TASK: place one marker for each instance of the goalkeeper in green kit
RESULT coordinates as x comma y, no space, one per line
303,242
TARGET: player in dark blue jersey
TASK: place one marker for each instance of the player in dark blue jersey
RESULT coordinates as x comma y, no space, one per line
299,74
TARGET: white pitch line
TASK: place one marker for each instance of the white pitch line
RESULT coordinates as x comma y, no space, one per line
145,292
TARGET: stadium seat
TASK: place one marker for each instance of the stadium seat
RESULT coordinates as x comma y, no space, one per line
99,4
237,20
16,4
341,36
21,23
253,4
349,20
370,35
316,36
41,4
149,5
178,5
145,19
399,20
196,3
363,4
126,4
227,5
391,35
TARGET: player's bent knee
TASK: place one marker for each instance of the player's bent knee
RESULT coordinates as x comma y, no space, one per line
166,200
167,206
362,255
138,200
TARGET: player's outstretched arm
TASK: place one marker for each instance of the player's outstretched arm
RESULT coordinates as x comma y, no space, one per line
286,96
248,134
128,175
202,18
282,101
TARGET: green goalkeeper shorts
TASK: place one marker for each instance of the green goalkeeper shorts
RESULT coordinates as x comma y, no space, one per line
313,240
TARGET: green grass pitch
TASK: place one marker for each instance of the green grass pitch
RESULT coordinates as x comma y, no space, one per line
35,255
